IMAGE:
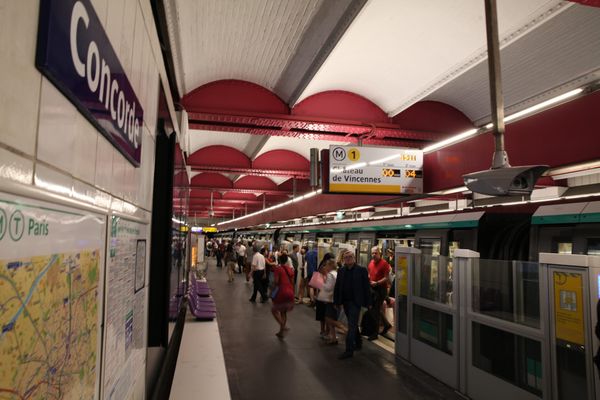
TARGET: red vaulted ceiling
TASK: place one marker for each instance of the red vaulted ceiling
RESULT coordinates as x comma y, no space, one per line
249,143
335,116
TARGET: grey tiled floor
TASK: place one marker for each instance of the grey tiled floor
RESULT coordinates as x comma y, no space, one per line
260,366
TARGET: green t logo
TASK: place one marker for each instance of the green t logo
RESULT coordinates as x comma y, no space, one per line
16,226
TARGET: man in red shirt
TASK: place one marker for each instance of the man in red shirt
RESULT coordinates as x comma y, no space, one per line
379,276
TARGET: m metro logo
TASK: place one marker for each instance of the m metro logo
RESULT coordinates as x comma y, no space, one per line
339,154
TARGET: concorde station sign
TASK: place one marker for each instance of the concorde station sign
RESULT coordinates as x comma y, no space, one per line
75,54
375,170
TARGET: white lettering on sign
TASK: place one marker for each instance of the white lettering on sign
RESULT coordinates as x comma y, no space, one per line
97,73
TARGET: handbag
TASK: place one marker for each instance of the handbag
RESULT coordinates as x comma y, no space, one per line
316,281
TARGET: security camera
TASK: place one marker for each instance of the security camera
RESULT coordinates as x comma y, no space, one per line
507,181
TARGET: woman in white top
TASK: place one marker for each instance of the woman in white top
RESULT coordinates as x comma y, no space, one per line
325,295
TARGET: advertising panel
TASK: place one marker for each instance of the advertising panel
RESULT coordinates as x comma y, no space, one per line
402,275
51,262
124,343
568,307
375,170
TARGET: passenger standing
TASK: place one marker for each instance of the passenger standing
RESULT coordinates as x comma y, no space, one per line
379,278
301,281
230,259
258,276
311,267
317,285
325,296
241,250
353,292
283,301
294,258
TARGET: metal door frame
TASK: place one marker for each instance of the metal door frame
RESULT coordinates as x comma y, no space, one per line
573,264
439,364
402,343
480,384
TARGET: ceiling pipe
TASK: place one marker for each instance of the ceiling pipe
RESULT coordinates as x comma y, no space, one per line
500,158
501,179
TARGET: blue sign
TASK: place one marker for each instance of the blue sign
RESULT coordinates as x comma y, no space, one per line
75,54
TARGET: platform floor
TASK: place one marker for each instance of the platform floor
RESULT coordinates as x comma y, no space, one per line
261,366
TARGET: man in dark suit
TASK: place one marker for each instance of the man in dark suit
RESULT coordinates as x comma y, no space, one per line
352,290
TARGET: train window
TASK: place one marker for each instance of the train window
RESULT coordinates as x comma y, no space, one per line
433,328
430,246
564,248
364,254
507,290
451,247
432,280
593,247
511,357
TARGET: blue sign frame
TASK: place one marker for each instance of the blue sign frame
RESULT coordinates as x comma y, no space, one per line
75,54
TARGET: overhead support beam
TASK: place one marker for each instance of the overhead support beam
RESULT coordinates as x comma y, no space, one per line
322,35
251,171
204,201
238,190
311,128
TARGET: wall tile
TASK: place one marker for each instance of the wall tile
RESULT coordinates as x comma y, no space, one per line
127,36
15,167
101,8
90,194
20,88
152,100
53,181
141,93
57,128
118,175
138,49
104,164
84,156
114,25
146,183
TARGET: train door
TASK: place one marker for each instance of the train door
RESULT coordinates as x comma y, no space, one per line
573,297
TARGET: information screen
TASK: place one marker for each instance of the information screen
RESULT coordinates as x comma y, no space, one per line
375,170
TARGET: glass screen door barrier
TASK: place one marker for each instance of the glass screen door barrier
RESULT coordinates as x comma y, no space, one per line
573,296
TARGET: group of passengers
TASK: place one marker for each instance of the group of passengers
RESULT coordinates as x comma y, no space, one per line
334,287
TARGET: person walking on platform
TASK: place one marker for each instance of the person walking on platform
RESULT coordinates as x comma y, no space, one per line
230,261
283,299
258,276
379,278
353,292
220,251
241,252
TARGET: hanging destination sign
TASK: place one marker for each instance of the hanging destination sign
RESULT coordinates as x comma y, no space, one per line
375,170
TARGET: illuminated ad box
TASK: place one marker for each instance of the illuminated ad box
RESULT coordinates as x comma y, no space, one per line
375,170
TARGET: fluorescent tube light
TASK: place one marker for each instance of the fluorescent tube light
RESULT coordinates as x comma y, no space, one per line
509,118
450,140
